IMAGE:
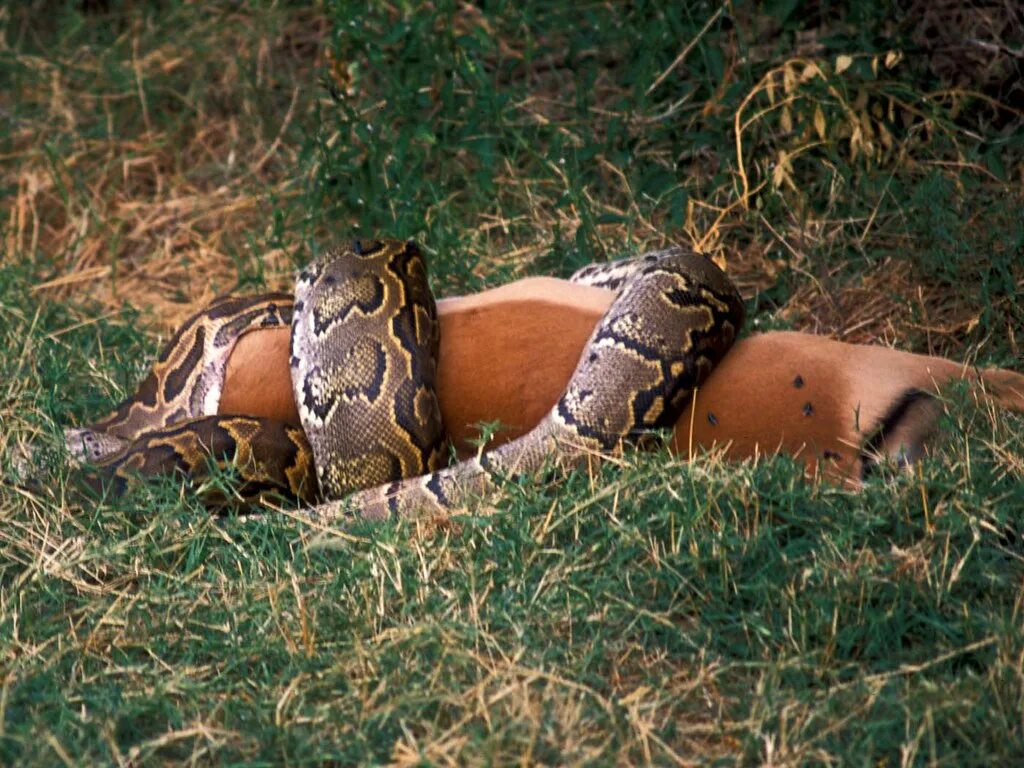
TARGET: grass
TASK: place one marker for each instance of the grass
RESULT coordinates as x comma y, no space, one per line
154,155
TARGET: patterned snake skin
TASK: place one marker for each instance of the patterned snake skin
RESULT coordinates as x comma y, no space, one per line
364,343
364,362
674,318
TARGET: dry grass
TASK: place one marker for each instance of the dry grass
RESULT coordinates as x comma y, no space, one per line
162,193
155,193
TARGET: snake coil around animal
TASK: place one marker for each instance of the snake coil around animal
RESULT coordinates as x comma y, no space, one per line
364,341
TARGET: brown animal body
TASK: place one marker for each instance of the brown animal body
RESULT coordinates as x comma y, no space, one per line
507,353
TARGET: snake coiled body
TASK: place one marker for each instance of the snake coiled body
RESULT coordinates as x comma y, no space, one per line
364,340
186,381
364,365
674,318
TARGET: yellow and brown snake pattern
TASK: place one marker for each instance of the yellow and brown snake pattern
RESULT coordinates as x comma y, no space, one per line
185,383
364,365
675,317
364,341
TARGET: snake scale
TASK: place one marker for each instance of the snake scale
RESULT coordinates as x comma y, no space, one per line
364,338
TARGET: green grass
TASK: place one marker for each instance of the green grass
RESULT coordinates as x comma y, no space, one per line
656,611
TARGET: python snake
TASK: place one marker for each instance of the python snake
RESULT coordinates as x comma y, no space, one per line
364,338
